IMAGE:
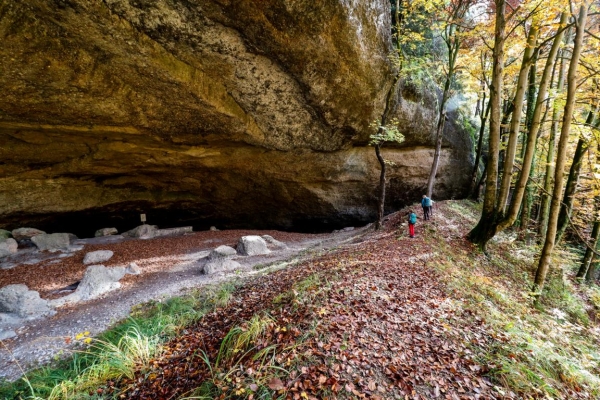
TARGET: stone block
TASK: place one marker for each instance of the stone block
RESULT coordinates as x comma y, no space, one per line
52,241
25,233
252,246
8,247
97,257
106,232
23,303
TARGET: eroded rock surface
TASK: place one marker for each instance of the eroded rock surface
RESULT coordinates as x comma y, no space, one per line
20,302
97,257
233,113
8,247
52,241
252,245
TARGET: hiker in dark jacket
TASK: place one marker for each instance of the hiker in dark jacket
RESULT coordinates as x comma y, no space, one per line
426,204
412,220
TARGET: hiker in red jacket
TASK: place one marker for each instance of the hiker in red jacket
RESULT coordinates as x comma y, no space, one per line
412,220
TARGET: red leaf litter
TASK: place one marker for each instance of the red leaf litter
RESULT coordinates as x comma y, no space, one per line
48,276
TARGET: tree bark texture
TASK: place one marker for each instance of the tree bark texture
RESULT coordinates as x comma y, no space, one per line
483,117
589,255
536,123
572,181
515,123
381,205
549,178
486,227
544,262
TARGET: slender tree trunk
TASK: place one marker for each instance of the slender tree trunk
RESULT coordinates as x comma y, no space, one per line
486,227
589,255
527,205
544,262
528,197
570,189
515,123
483,116
381,205
436,155
592,271
517,198
453,45
549,179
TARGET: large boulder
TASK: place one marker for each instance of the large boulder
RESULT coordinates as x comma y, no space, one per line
142,232
8,247
106,232
97,257
219,260
222,252
252,246
26,233
96,281
274,242
21,302
179,231
52,241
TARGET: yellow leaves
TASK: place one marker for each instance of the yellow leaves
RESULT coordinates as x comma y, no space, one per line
84,336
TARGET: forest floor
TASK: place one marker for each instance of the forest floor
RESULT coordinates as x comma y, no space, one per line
381,316
169,267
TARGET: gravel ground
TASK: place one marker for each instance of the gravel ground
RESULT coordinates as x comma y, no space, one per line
169,266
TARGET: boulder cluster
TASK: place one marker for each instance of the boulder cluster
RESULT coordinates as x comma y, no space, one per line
221,258
19,304
10,241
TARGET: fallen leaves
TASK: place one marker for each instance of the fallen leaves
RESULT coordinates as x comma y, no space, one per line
364,322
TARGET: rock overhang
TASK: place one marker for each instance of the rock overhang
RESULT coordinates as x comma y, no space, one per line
236,114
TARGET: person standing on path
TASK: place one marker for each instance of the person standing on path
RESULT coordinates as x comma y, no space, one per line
426,204
412,220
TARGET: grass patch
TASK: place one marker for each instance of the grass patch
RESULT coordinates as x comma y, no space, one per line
551,351
119,351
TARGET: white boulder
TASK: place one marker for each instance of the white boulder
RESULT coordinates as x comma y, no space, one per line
274,242
21,302
219,260
142,232
8,246
52,241
252,246
25,233
106,232
97,257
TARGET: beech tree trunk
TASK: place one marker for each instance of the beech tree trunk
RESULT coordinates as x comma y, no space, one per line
589,254
549,178
544,262
483,117
515,123
567,204
486,227
517,197
528,197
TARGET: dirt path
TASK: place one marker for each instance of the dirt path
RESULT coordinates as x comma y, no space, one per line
169,267
370,320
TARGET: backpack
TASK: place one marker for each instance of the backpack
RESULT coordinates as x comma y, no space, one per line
412,218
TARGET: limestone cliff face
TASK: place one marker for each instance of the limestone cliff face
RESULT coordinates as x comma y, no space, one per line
239,112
